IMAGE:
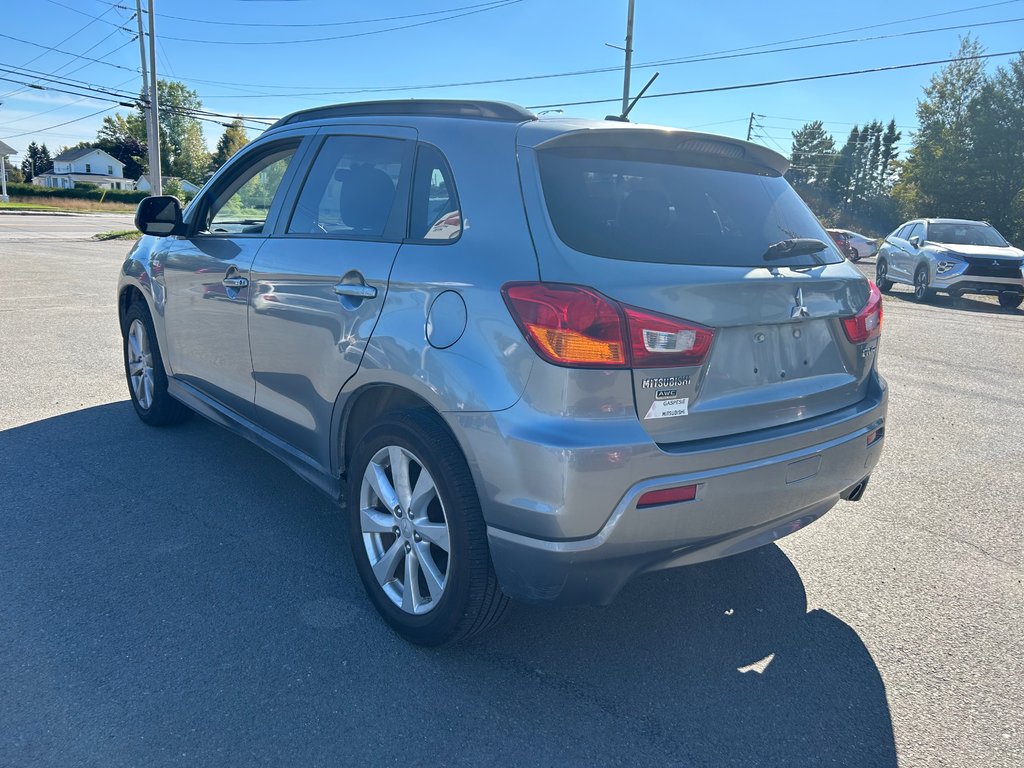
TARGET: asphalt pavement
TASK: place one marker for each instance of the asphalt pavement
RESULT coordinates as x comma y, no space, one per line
34,227
177,597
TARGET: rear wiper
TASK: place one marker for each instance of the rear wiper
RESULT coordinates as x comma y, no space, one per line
794,246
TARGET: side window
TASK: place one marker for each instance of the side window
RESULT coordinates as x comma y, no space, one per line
916,230
904,232
434,215
351,187
242,206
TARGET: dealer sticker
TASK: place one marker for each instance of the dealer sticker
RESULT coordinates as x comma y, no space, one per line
664,409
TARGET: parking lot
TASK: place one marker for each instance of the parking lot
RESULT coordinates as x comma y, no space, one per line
177,597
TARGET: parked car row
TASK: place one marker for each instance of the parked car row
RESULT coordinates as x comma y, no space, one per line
951,256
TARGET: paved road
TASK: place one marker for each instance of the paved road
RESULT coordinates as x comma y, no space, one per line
175,597
27,227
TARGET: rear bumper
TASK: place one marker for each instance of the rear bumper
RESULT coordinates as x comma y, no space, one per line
752,490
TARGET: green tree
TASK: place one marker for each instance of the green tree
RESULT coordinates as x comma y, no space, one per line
995,122
888,155
940,171
812,155
232,140
182,149
844,168
37,160
14,175
124,137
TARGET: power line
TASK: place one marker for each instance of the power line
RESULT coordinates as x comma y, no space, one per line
66,53
59,125
67,82
57,108
765,83
695,59
277,25
490,7
129,100
826,122
698,57
92,20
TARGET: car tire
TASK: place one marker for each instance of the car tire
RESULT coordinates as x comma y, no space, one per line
922,292
409,463
854,254
881,276
1010,300
144,371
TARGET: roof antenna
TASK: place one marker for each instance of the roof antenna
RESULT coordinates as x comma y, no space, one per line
624,117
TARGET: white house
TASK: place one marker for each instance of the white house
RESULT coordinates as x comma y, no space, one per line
143,185
87,164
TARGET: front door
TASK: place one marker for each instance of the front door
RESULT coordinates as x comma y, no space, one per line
319,283
206,277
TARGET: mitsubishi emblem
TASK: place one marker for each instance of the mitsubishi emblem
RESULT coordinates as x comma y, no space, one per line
995,263
800,310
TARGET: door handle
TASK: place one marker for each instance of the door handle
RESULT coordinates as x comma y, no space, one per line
235,282
356,290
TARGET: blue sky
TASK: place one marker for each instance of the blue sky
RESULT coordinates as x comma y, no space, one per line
509,38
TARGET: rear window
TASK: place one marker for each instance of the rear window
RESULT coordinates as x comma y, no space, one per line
647,205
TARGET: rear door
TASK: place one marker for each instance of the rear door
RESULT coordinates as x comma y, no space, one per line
681,227
319,283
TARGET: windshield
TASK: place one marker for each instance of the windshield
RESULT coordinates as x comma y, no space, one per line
965,234
644,205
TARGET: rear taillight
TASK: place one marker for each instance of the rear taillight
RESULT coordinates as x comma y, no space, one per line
578,327
659,341
568,325
866,324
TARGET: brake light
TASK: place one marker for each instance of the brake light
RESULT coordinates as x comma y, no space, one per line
578,327
568,325
866,324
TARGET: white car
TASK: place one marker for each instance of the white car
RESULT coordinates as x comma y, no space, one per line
863,245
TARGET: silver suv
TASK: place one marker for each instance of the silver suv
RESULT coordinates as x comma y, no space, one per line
955,256
533,358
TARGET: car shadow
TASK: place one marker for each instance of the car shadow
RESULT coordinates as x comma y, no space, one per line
720,664
966,303
178,592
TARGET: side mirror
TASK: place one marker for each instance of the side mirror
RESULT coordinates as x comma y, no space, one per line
915,241
159,216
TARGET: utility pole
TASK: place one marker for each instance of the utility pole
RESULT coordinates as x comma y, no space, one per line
155,179
152,137
750,126
629,59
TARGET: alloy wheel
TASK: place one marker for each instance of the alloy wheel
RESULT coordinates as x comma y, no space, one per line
920,285
405,530
140,364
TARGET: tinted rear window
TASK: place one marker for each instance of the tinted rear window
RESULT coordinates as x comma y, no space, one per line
647,205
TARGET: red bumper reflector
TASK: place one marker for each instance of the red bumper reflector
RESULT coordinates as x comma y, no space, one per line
875,435
667,496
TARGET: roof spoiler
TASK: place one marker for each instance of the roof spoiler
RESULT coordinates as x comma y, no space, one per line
668,139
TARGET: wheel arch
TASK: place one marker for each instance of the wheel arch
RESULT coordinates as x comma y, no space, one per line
363,407
926,263
128,295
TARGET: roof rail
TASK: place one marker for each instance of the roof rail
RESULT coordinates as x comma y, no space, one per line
480,110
